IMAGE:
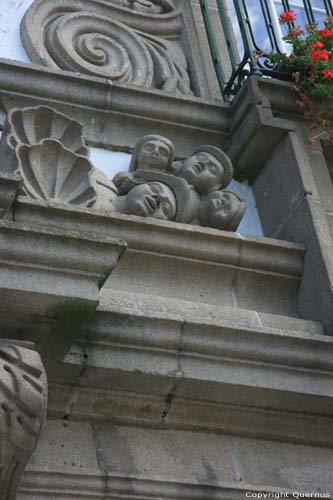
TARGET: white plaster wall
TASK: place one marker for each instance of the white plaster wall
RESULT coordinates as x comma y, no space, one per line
11,13
110,162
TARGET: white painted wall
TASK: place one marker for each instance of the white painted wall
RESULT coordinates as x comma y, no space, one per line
11,13
110,162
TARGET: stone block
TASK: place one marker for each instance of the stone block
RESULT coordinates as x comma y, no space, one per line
308,224
54,274
66,447
138,462
284,465
283,183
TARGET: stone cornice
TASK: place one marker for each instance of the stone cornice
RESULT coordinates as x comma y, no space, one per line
84,486
24,245
51,274
217,355
170,238
97,404
192,121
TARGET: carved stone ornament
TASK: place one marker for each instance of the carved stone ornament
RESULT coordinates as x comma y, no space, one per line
23,399
189,191
126,41
46,150
51,172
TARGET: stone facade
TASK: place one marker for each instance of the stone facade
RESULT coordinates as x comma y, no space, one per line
182,361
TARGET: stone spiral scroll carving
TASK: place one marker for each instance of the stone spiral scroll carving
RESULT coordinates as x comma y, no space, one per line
23,399
135,41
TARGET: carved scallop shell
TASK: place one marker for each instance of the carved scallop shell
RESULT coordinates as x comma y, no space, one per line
33,125
51,172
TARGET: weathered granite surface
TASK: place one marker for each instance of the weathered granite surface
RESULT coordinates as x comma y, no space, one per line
204,372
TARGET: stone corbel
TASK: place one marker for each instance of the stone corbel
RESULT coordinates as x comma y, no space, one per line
49,282
254,128
23,400
268,147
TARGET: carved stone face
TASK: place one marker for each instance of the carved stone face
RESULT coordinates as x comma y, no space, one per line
152,199
145,6
219,209
203,171
153,155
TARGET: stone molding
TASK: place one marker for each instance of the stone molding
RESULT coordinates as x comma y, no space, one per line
271,269
84,487
109,40
111,113
23,399
98,404
263,356
178,240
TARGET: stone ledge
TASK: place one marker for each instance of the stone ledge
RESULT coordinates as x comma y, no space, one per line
141,462
36,484
220,360
166,258
57,260
170,238
94,404
110,112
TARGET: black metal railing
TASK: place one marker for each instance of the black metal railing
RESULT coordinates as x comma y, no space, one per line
244,37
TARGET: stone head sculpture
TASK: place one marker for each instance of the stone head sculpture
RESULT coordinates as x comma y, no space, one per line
152,199
207,170
158,195
150,6
187,199
152,152
222,210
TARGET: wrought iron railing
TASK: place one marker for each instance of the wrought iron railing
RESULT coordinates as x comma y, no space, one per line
242,37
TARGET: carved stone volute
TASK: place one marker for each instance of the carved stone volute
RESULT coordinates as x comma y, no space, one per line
129,41
23,400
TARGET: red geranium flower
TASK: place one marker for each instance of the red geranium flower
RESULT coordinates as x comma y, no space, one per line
287,17
320,55
328,73
325,33
317,45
